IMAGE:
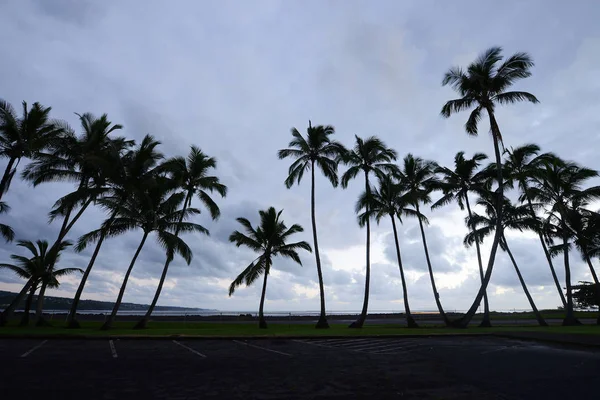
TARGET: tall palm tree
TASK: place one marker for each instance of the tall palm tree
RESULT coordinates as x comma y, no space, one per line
38,270
315,150
484,85
129,171
513,217
370,155
154,210
522,164
269,239
418,179
192,175
24,136
456,185
389,200
559,187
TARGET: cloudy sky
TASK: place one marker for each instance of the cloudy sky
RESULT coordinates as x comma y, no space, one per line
233,77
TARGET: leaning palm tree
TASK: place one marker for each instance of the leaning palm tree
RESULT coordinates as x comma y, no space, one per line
370,155
130,170
418,179
484,85
315,150
456,185
522,165
38,270
269,239
25,136
559,186
153,210
513,217
192,175
389,200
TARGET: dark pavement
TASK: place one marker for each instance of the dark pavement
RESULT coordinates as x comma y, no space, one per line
406,368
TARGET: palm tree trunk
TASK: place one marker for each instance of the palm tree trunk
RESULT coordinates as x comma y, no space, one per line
25,318
548,257
322,323
40,306
410,321
8,311
262,323
595,277
496,137
144,321
485,323
72,318
538,315
363,314
569,314
436,294
6,176
79,213
108,323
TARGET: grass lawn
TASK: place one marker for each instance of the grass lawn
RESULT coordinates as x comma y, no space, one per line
274,330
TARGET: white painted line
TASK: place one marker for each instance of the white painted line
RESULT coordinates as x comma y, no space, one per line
33,349
312,343
263,348
113,350
366,343
381,346
495,350
338,341
189,348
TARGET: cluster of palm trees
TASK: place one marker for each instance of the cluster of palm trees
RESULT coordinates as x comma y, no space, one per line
134,184
552,200
139,189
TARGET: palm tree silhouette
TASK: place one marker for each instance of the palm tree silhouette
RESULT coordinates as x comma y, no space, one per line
24,136
484,85
513,217
269,239
6,231
316,150
128,171
370,155
389,200
522,164
456,185
39,269
191,175
417,178
559,186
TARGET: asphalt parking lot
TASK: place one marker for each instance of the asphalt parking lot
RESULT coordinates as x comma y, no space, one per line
406,368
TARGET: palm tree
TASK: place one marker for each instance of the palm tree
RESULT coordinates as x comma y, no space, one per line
316,150
269,239
559,187
80,159
389,200
127,173
24,136
456,185
49,279
190,174
418,179
370,155
513,217
484,85
38,269
155,209
522,164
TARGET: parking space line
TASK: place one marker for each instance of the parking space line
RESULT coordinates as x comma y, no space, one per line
263,348
365,343
382,347
501,349
113,350
189,348
33,349
338,341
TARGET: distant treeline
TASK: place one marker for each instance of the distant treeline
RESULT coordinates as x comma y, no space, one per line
64,303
